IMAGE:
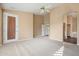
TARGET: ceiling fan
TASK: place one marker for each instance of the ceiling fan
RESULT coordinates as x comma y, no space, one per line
44,10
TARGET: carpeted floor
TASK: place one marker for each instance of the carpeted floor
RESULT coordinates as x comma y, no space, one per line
38,47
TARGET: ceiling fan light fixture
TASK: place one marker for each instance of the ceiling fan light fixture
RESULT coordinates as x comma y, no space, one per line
44,10
48,10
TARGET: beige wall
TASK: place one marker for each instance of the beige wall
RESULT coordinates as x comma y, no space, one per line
38,21
25,24
74,24
47,19
57,17
69,21
56,23
72,20
0,26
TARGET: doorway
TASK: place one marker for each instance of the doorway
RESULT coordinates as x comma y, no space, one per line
10,27
46,25
70,29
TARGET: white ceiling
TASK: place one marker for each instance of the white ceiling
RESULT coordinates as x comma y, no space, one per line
29,7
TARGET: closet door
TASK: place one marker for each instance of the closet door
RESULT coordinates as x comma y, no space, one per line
11,27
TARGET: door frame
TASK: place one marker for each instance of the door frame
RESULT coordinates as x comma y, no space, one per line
65,20
5,27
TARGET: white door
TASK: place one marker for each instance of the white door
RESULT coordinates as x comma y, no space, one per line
10,27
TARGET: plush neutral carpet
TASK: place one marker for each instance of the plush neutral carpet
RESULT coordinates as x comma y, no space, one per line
38,47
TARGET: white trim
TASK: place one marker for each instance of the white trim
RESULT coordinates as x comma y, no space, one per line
5,40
